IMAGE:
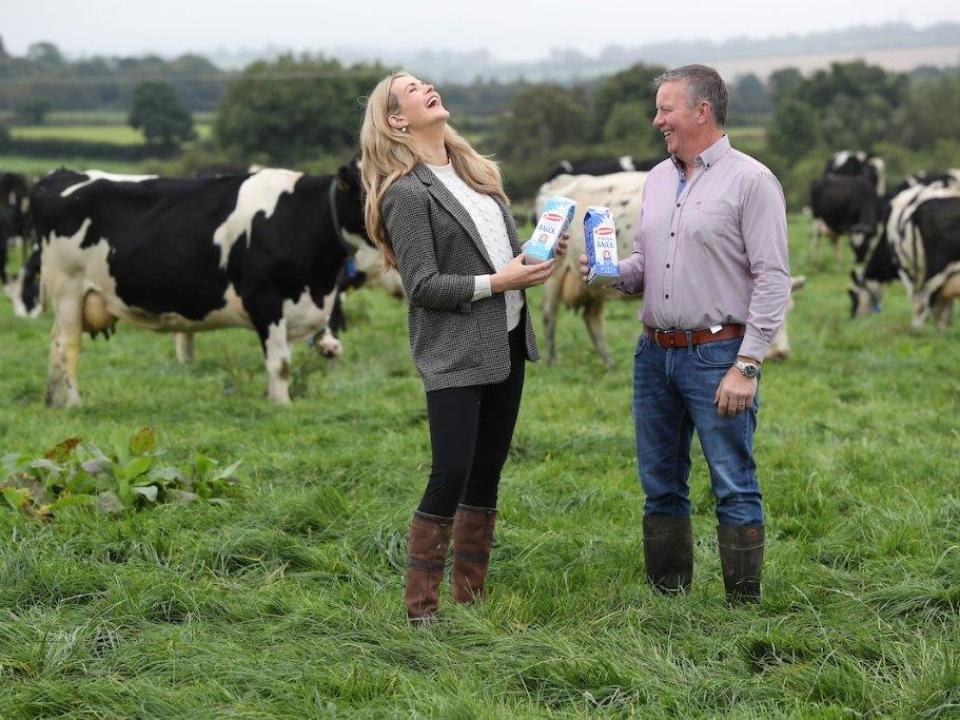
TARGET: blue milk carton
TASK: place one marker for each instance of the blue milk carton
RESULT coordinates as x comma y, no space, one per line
554,221
600,236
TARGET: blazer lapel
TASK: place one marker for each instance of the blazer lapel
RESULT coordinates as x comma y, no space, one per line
455,208
510,225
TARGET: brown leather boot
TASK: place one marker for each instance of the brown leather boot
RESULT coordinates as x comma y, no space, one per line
426,556
668,552
741,557
472,541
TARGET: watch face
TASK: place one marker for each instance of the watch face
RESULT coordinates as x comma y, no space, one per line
750,371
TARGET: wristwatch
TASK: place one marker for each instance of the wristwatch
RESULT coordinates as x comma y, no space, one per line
748,370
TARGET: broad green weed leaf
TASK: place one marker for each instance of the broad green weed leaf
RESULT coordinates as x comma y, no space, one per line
143,441
62,451
150,492
16,498
135,468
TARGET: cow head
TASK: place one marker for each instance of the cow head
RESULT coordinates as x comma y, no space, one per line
861,236
865,295
350,199
865,230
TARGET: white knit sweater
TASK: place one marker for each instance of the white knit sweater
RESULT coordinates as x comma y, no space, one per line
486,215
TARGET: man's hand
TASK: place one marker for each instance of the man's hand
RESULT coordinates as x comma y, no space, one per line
735,393
584,267
562,244
517,276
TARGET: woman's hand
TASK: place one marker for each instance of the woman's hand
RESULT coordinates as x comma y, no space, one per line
517,276
561,248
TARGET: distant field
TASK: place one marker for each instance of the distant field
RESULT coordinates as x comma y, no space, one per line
34,167
748,139
99,117
116,134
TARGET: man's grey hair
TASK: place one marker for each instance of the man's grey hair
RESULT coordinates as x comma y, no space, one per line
704,83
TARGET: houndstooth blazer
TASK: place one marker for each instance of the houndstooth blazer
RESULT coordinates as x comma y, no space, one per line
455,342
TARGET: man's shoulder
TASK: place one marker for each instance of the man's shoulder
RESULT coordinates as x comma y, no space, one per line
663,172
663,167
748,165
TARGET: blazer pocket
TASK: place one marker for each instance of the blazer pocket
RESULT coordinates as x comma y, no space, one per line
450,342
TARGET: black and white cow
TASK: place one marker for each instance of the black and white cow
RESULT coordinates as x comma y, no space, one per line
14,216
919,243
896,198
184,255
858,164
24,290
602,166
217,169
924,177
846,200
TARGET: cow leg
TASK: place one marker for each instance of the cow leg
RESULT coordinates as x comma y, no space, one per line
185,346
780,345
278,356
328,343
62,388
814,238
3,260
593,317
921,308
552,290
266,313
943,311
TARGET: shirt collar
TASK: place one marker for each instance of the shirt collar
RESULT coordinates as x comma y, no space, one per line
708,157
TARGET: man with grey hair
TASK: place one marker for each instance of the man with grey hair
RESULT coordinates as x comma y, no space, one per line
710,257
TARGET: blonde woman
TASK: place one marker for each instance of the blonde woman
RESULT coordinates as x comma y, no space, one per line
438,211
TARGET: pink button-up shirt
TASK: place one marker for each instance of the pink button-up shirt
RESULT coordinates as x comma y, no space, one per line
712,250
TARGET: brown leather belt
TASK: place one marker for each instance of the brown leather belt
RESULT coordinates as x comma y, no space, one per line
678,338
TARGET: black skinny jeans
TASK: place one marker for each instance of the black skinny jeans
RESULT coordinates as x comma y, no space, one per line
470,432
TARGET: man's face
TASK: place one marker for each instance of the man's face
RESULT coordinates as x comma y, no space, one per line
675,117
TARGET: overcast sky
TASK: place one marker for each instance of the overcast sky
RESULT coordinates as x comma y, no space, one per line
510,29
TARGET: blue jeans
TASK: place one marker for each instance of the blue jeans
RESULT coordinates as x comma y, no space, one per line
673,391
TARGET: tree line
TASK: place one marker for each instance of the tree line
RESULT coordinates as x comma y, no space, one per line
305,111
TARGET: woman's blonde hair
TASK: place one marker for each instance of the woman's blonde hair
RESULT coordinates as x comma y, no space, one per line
387,154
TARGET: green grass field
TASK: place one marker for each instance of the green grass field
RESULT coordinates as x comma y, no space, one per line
749,139
116,134
288,604
37,167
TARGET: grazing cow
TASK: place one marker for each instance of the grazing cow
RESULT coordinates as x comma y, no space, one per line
14,216
858,164
8,233
602,166
370,263
366,267
183,255
780,345
218,169
24,290
919,243
846,200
